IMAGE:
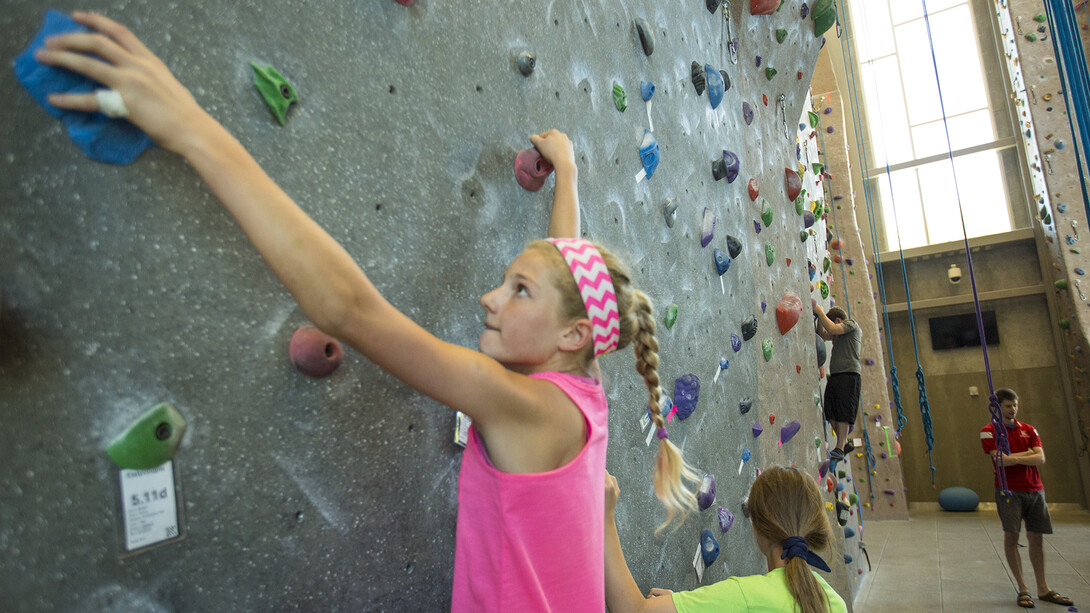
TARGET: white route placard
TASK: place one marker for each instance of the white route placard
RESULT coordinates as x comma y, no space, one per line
149,506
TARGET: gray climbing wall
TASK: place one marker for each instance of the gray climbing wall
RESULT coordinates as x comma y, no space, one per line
127,286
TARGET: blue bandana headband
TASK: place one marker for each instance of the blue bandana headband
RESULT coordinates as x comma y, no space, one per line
795,547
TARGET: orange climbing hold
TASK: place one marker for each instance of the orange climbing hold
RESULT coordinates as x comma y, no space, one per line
763,7
834,244
771,418
754,189
788,311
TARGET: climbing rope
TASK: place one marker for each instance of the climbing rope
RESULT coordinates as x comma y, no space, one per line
870,460
861,147
993,403
827,191
1074,80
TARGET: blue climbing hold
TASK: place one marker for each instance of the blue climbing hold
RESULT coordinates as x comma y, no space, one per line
649,153
714,80
848,532
709,547
647,89
1079,271
847,559
722,261
746,454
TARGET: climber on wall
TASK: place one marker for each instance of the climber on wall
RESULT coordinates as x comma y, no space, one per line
841,403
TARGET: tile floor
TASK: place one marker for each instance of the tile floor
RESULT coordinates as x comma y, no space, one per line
954,562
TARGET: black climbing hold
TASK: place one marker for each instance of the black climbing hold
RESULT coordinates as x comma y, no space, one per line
669,211
646,34
698,77
525,63
749,328
744,405
713,5
726,80
819,344
719,169
734,246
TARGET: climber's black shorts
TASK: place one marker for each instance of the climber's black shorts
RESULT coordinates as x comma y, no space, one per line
842,397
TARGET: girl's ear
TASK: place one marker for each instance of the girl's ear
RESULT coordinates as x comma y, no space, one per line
578,335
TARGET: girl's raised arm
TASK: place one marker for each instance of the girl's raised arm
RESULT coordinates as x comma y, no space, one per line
329,286
555,147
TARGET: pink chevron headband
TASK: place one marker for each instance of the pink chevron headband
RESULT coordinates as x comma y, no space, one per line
596,288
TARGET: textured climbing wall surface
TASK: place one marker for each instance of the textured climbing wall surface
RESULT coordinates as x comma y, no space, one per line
875,464
1044,121
127,286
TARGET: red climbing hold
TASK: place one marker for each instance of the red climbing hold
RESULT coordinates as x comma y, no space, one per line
314,353
788,260
763,7
834,244
531,170
793,183
754,189
764,98
837,258
771,418
798,368
788,311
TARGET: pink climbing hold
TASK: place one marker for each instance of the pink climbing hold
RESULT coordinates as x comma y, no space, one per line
763,7
793,183
754,189
314,353
788,311
531,170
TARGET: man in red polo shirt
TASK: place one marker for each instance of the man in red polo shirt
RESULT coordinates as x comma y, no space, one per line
1025,499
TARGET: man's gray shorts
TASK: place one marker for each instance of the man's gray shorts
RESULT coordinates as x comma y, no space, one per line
1015,506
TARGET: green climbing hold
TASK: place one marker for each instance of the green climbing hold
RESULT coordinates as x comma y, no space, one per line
770,72
781,34
824,287
1061,284
1064,324
824,15
852,498
803,235
770,253
1040,18
825,265
1075,251
814,118
1031,37
275,89
851,271
766,214
841,474
818,167
800,205
817,442
619,98
671,316
766,347
150,440
1047,220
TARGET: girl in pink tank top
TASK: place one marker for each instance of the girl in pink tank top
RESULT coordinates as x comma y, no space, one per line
530,491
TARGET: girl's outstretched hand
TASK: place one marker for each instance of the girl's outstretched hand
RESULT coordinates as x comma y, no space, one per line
555,146
156,101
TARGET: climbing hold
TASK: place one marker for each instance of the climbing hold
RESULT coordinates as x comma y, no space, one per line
811,269
792,182
720,168
771,418
744,405
830,130
766,347
531,170
1040,18
890,492
817,167
814,118
1061,207
1079,271
825,264
1060,144
705,496
726,519
789,430
709,548
803,236
848,531
646,35
726,80
788,311
313,352
715,84
735,342
749,328
763,7
620,100
804,10
747,112
852,498
781,34
764,99
808,219
1031,37
819,345
732,165
770,72
770,253
764,305
712,5
824,16
150,441
766,214
669,211
671,316
275,89
836,258
757,429
817,442
525,63
649,153
722,261
707,227
754,189
800,206
686,394
869,361
647,90
697,76
822,469
1060,284
758,61
824,288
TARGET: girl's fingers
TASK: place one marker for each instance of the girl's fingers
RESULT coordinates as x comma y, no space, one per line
87,42
114,30
75,102
76,62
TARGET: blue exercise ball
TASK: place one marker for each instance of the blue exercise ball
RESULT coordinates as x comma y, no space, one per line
958,499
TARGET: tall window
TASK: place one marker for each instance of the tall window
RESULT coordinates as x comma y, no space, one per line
916,197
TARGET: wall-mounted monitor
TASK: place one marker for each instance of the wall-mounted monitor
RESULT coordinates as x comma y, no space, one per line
957,331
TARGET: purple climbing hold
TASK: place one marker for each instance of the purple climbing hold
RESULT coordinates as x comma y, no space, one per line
848,261
891,492
808,220
758,61
686,394
705,496
869,361
707,227
756,226
823,469
734,246
313,352
531,170
735,342
838,197
747,112
726,519
804,10
764,305
885,456
757,429
830,130
828,110
789,430
732,163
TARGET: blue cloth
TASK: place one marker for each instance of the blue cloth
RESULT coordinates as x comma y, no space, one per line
103,139
795,547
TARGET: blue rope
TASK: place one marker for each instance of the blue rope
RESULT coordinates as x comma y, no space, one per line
1074,80
870,460
861,147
